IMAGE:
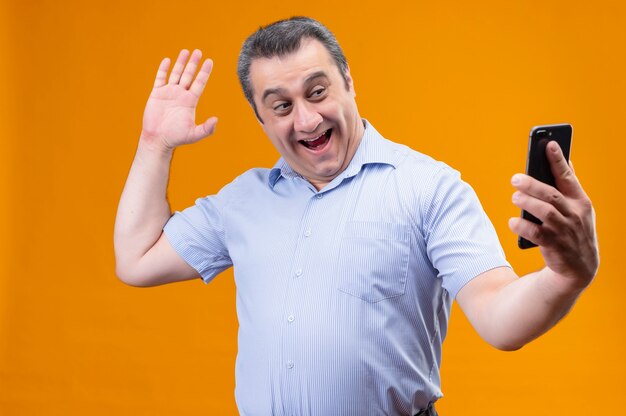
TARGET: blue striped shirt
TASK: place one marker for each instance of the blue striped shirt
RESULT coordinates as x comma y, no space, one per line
343,295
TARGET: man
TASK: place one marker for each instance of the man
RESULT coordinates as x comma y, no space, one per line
348,253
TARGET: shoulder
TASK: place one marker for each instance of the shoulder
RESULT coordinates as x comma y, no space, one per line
425,174
253,177
248,181
240,188
429,187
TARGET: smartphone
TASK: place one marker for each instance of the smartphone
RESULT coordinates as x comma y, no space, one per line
537,164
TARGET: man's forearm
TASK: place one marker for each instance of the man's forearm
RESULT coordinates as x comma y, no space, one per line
522,309
525,308
143,207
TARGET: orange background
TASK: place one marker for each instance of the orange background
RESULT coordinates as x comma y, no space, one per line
462,81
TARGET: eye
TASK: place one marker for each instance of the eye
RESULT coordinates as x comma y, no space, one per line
318,92
282,107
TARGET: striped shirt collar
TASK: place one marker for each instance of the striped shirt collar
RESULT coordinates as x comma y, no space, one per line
373,148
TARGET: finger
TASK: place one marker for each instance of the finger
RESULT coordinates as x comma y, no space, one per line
161,75
530,231
190,69
544,192
205,129
565,179
544,211
178,67
201,79
571,166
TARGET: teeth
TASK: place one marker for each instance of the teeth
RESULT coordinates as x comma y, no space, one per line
314,138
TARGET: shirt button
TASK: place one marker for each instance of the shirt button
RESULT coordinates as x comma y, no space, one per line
319,196
299,272
307,233
290,318
289,364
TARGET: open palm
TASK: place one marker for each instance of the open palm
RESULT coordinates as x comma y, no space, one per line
170,115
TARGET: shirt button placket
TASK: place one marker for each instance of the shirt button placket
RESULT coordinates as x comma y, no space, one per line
294,298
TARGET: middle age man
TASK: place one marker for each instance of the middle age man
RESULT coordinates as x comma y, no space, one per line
349,252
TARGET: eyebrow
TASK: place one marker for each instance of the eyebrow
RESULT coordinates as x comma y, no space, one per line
314,76
307,80
271,91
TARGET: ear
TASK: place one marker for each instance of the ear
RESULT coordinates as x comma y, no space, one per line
256,114
349,81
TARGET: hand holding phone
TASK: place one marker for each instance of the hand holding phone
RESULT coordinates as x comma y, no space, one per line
537,164
567,236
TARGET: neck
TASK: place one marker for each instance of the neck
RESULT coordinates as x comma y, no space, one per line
359,131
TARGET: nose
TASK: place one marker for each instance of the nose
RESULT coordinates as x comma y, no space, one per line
305,117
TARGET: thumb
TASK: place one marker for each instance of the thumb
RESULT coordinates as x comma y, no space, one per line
205,129
566,181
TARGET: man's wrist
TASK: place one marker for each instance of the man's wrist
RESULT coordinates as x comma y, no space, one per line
154,145
561,288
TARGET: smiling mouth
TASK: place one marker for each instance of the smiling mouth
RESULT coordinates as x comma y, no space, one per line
317,142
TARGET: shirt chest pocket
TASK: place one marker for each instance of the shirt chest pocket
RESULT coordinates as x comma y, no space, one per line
374,260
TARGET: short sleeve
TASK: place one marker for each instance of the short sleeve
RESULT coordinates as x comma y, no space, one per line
461,242
197,234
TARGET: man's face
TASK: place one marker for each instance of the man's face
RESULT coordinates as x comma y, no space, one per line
308,111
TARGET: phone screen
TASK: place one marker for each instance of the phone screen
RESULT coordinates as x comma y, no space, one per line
537,164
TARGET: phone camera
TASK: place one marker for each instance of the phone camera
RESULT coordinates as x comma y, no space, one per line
542,133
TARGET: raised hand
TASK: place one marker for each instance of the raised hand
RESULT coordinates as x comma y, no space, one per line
567,237
169,118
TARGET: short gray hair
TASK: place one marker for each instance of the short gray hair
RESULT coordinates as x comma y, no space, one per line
282,38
